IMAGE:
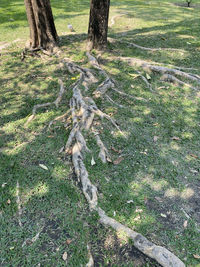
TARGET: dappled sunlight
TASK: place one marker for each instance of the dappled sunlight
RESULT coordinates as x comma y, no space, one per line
39,190
156,185
173,193
188,135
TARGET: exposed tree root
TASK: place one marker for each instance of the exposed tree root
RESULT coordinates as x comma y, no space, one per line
112,21
128,96
145,80
103,154
113,102
173,79
91,261
112,40
83,111
60,118
160,69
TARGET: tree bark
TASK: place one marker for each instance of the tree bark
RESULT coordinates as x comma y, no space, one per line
98,24
41,23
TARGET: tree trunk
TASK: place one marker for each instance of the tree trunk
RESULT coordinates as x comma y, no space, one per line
42,28
98,24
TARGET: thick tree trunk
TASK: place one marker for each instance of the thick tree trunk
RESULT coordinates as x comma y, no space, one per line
42,28
98,24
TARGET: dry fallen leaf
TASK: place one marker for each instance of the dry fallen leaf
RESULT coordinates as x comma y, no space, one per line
92,161
68,241
148,76
194,156
117,161
196,256
64,256
43,167
185,224
115,150
8,201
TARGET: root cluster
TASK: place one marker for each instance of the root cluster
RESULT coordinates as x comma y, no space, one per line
84,112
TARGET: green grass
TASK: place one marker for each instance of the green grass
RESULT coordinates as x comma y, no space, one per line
159,177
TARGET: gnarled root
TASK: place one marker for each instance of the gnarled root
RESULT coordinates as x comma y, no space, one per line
160,254
80,106
83,110
130,44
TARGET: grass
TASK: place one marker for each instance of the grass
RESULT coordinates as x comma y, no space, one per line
161,178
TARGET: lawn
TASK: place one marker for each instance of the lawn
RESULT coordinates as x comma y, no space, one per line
155,189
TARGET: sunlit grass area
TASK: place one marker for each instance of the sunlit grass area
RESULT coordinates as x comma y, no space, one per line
154,189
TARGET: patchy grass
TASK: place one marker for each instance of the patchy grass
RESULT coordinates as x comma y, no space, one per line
152,190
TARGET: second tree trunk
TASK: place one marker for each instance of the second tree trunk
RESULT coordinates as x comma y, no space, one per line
98,24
